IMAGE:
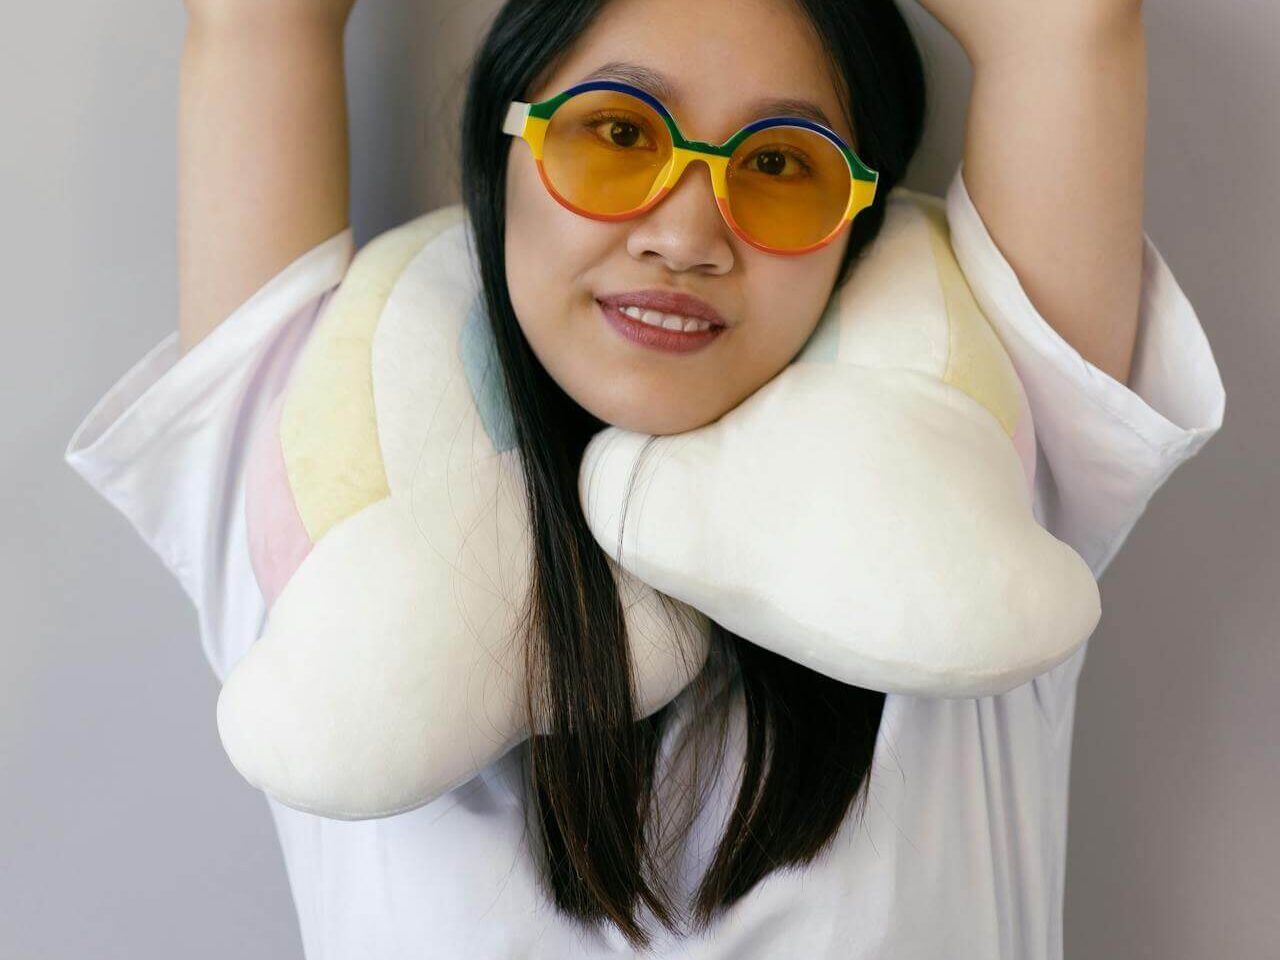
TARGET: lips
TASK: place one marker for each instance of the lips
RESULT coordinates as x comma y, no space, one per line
658,338
664,301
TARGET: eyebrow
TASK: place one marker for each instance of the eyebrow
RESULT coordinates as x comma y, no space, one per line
654,83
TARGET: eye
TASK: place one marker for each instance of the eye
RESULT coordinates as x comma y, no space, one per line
782,162
620,130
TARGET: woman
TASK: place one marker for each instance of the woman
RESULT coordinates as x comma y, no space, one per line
884,825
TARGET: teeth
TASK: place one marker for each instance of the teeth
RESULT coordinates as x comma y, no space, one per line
668,321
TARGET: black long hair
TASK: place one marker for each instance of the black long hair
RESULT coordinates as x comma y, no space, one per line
809,738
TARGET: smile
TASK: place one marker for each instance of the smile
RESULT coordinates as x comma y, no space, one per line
669,332
668,321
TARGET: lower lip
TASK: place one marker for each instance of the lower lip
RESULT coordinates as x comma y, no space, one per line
658,338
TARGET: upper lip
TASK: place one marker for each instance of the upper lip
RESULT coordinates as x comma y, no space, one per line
664,301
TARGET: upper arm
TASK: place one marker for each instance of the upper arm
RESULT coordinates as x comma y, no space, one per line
262,157
1054,156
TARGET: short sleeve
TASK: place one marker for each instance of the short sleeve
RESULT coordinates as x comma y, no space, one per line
1104,448
168,442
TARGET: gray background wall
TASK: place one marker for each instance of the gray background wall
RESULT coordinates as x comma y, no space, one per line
125,832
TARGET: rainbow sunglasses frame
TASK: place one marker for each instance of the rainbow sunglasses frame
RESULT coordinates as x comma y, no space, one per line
529,122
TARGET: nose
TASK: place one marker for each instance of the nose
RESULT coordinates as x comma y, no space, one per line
685,231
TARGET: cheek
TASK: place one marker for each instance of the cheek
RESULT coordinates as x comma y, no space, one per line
531,279
523,211
551,252
788,300
531,212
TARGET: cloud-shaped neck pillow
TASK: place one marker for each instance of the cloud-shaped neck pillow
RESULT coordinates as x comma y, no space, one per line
866,513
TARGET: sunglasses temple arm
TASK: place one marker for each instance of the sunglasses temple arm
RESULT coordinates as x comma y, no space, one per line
517,115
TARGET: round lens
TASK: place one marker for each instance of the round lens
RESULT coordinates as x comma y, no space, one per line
604,151
788,187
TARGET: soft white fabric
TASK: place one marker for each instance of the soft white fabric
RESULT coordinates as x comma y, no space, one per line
861,513
962,850
865,514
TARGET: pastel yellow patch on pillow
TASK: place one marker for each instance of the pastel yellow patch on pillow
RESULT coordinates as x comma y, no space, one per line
329,426
976,361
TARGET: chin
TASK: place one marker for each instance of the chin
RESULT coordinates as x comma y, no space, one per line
627,402
637,420
676,422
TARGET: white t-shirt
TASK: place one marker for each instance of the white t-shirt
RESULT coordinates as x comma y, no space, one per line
961,851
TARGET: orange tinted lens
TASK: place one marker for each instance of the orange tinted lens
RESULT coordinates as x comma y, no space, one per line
788,187
604,151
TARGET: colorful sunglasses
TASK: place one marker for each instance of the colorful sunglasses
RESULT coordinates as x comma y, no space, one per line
610,151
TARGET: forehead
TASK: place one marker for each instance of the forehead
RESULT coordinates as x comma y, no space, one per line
716,64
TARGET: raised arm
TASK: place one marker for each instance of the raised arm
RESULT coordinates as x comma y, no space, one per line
262,148
1053,158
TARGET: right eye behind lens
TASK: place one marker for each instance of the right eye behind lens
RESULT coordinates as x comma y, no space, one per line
604,149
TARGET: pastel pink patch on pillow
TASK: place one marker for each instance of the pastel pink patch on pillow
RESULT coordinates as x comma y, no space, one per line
278,541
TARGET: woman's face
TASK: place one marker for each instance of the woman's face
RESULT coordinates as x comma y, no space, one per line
718,57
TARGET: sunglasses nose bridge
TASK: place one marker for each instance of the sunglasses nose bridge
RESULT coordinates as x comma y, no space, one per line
696,151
